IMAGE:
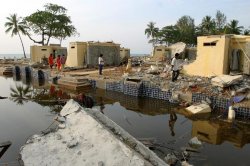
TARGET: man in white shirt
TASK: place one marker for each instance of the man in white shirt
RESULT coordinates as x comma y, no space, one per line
100,63
175,68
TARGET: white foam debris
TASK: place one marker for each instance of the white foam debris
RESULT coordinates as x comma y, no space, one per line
83,141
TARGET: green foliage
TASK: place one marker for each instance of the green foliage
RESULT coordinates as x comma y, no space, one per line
50,23
220,21
185,30
233,28
152,32
15,26
20,94
207,26
169,34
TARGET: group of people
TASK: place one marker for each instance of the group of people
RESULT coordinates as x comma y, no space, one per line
60,61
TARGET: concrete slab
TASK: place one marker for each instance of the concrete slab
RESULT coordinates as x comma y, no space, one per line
226,80
201,108
85,140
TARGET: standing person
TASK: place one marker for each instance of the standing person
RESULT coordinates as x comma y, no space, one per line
51,61
100,63
63,60
58,62
175,67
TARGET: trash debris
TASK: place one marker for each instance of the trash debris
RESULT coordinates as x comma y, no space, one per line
200,108
194,142
72,143
231,113
237,99
226,80
171,159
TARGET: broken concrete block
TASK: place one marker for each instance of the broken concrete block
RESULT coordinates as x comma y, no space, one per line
194,142
171,159
72,143
201,108
69,108
226,80
61,126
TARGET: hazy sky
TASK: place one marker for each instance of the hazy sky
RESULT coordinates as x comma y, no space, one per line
122,21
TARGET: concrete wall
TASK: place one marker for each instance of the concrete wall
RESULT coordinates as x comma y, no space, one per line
124,55
77,54
242,43
212,57
161,53
38,52
110,51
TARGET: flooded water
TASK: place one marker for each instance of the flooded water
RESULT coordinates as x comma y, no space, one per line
223,143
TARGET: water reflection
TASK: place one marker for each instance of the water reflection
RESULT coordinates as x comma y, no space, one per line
147,117
148,106
20,93
171,122
216,132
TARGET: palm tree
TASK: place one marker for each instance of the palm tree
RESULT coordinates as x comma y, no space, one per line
20,94
233,28
15,25
152,32
208,25
246,32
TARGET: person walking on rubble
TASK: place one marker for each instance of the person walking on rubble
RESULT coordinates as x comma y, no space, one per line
100,63
175,67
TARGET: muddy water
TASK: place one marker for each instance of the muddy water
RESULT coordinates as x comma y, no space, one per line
223,143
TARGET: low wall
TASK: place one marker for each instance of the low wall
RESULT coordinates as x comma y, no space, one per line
147,89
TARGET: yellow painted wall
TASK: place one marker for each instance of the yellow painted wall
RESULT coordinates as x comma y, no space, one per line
207,132
243,43
124,54
210,60
77,54
38,52
161,52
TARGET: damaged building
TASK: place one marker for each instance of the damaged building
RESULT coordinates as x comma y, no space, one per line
86,54
124,55
39,52
221,54
163,52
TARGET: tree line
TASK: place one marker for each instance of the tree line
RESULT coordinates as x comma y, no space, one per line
42,25
185,30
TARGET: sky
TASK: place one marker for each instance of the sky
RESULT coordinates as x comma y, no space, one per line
121,21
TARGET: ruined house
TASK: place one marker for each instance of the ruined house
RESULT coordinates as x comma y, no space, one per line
124,54
221,54
87,53
39,52
163,52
